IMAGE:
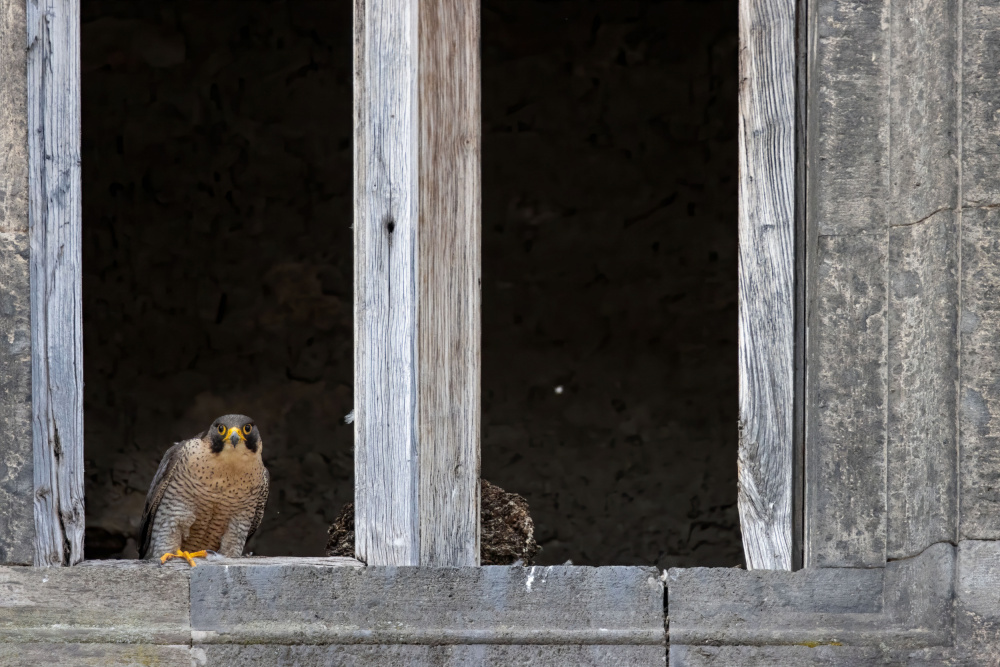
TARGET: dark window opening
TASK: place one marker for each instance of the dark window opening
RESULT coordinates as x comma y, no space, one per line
217,263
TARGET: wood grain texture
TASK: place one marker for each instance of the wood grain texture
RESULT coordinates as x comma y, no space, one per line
17,521
386,207
448,302
767,280
923,241
846,293
417,299
56,278
144,605
427,606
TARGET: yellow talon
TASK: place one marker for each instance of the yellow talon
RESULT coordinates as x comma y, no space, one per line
189,556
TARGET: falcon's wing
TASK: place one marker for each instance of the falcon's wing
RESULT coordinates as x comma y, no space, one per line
156,490
261,501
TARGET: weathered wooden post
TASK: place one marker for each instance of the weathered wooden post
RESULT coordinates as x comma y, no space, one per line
767,280
56,216
41,327
417,269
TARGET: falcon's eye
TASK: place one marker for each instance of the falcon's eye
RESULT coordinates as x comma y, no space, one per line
222,429
247,428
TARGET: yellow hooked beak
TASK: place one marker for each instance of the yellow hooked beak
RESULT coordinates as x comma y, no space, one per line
235,431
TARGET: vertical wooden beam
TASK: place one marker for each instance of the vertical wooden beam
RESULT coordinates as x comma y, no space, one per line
417,295
17,521
448,298
56,294
767,280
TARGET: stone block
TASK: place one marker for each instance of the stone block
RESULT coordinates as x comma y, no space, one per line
253,604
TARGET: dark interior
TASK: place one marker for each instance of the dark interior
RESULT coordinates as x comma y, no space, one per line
217,263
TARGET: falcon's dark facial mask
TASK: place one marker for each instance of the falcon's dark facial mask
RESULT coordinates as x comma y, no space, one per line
234,431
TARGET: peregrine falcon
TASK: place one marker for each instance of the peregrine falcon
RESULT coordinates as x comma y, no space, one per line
208,494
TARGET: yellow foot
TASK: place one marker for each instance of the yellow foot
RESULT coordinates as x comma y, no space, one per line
189,556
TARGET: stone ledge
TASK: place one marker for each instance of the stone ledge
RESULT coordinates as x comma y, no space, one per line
288,604
939,607
329,611
906,604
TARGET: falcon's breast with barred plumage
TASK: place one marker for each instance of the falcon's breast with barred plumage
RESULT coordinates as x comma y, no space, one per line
208,494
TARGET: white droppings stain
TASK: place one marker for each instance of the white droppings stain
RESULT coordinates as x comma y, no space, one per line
45,580
531,578
202,636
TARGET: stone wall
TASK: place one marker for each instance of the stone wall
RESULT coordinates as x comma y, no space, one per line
217,257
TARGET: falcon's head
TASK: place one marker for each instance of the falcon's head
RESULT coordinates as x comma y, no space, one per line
235,432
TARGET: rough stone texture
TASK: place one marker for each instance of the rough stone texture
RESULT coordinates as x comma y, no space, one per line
977,611
17,530
846,393
905,605
96,655
979,102
980,313
923,379
13,117
508,533
922,444
252,604
883,286
980,406
923,109
809,656
217,178
328,612
17,485
845,402
848,194
142,604
439,656
937,608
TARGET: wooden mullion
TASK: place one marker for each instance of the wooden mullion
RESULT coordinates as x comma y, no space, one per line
767,267
417,304
56,278
449,294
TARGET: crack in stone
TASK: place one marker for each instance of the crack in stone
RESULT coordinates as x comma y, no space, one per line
921,552
923,219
